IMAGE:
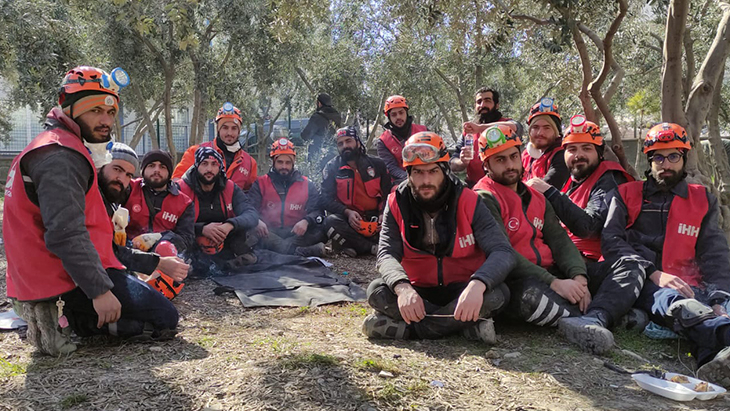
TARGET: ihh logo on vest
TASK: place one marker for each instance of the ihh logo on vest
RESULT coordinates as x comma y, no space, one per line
466,241
689,230
243,170
169,217
538,223
295,207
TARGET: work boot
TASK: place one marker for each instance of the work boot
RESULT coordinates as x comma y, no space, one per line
589,333
348,252
482,331
316,250
240,261
374,249
149,334
634,320
44,332
378,325
717,371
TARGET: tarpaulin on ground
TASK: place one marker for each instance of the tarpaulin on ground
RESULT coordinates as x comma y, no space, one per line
283,280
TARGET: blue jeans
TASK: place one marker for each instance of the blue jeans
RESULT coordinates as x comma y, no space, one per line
141,305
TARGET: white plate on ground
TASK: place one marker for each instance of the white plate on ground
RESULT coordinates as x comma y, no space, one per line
673,390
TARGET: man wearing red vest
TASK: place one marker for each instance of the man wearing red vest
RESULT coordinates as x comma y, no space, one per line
223,215
354,190
581,204
663,239
397,130
238,166
486,114
290,219
62,273
549,281
156,204
543,156
442,258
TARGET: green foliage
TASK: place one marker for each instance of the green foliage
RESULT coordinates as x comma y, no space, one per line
8,369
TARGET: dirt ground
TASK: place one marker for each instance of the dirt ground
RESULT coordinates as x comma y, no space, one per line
227,357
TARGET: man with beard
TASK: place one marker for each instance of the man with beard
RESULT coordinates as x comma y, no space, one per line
397,130
442,259
487,114
581,205
549,280
156,204
663,239
320,129
290,218
62,273
543,156
223,214
354,190
239,166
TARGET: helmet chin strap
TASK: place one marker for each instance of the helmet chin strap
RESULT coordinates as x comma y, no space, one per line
100,153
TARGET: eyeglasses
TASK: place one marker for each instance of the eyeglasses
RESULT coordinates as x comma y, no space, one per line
659,159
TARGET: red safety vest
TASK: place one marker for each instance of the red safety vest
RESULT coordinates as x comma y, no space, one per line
395,146
524,228
294,205
682,230
346,188
424,269
590,247
475,168
139,213
33,272
226,197
239,169
538,167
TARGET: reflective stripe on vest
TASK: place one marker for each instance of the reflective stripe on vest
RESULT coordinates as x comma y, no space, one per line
295,201
395,146
33,272
590,247
466,257
139,214
682,230
538,167
524,228
239,171
226,198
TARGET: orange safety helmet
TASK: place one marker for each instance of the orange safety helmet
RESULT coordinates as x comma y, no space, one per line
495,140
208,246
368,228
282,146
393,102
666,135
546,106
230,112
161,281
86,78
425,147
582,131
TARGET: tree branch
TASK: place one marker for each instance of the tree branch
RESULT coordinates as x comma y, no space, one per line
456,90
672,110
306,82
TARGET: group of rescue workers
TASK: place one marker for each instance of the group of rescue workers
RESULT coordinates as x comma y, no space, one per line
553,235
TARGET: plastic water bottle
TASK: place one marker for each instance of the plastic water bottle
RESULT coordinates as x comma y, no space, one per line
467,151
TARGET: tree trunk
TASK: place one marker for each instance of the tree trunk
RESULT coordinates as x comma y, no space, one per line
722,175
146,120
672,110
376,123
457,91
586,67
445,115
167,104
305,81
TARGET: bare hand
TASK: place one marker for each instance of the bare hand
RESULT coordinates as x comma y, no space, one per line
473,128
353,218
380,224
108,308
173,267
410,303
300,228
571,290
666,280
470,301
538,184
217,231
262,230
719,310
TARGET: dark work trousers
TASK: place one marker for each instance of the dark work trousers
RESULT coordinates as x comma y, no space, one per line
439,301
207,265
615,287
141,304
283,241
344,236
535,302
707,338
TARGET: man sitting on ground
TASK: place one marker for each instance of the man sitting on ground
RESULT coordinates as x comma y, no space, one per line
290,219
442,257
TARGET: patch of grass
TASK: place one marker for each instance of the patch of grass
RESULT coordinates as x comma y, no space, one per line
377,365
277,345
358,310
206,342
389,393
304,310
73,400
8,369
302,360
